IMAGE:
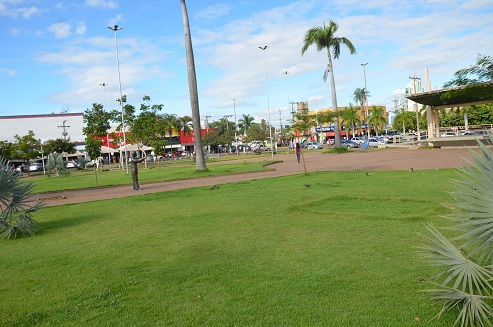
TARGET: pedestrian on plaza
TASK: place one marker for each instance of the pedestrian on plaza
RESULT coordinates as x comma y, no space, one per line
298,152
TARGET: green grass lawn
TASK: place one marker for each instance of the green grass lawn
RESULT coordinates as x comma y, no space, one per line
86,178
257,253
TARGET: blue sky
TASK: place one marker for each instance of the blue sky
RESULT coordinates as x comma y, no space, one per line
55,54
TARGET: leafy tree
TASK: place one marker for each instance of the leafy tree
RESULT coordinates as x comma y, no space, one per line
59,145
472,77
244,123
27,146
324,37
465,280
376,118
192,86
257,132
7,150
480,114
17,205
404,120
350,118
97,123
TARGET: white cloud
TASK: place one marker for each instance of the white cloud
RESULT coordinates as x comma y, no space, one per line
8,72
80,29
101,4
60,30
213,12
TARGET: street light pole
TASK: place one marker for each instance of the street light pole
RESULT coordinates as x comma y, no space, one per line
268,105
107,136
236,140
114,29
366,100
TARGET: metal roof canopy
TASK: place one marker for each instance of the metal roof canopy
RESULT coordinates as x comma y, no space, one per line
459,99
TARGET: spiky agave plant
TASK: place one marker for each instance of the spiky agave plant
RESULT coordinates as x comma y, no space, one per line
55,164
465,283
16,203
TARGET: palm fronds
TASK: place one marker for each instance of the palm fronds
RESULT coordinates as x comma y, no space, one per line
465,281
15,203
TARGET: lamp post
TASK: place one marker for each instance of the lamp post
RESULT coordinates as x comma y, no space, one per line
236,140
114,29
107,136
268,105
366,100
287,92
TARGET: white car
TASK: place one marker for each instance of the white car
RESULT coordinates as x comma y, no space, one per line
313,146
448,134
38,166
72,164
374,142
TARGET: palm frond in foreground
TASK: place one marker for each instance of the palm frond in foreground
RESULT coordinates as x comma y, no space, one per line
465,283
16,204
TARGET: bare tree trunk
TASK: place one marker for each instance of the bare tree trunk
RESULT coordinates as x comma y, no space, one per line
192,86
337,135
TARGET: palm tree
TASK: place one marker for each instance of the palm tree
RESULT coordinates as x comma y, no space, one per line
192,86
244,124
185,124
376,118
324,37
171,125
360,95
351,118
17,206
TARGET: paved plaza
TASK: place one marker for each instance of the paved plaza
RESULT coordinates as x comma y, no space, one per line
371,160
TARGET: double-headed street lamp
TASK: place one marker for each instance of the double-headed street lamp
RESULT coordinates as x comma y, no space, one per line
114,29
268,105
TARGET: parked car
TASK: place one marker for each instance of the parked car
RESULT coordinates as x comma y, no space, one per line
313,146
481,133
448,134
37,166
358,140
374,142
72,164
260,147
349,144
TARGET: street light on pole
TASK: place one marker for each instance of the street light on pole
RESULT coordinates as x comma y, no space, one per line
236,140
268,105
114,29
107,136
366,100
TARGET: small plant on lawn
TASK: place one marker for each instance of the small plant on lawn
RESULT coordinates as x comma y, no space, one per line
465,283
55,165
15,203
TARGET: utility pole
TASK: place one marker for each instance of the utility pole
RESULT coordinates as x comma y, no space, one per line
227,123
65,127
207,122
414,78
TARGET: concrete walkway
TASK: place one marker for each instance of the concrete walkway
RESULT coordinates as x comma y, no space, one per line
382,159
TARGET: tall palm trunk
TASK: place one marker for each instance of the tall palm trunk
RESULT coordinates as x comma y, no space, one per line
337,135
192,86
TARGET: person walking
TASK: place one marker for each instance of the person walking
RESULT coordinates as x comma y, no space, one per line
298,152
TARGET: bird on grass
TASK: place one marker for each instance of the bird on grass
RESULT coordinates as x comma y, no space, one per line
367,174
308,185
411,169
356,169
214,187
